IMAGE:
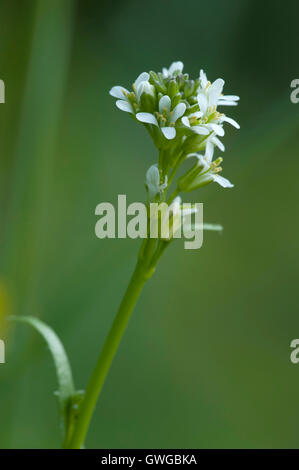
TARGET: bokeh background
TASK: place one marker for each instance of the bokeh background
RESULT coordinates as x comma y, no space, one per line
205,362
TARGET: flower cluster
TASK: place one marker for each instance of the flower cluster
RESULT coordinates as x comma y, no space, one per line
182,117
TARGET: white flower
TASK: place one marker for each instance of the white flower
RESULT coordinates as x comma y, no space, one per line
215,89
210,176
207,120
210,172
122,93
145,87
174,69
204,172
153,182
166,118
197,128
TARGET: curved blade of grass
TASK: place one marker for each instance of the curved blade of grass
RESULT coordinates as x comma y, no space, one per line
66,389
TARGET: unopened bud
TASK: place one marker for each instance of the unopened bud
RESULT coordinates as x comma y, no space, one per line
176,100
173,88
146,95
189,88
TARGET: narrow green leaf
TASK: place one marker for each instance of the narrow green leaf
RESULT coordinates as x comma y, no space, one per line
66,389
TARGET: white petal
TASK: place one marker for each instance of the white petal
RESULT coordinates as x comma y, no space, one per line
197,114
217,85
176,66
203,163
185,121
153,181
177,112
165,102
226,103
231,121
153,175
203,79
202,130
215,91
209,151
225,183
118,92
202,102
230,97
124,106
217,129
218,143
143,77
147,118
176,204
169,132
165,72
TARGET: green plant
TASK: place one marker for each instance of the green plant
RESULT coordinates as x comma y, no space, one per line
181,116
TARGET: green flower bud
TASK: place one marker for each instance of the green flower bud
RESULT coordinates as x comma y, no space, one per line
192,109
189,88
176,100
147,96
157,81
153,77
173,88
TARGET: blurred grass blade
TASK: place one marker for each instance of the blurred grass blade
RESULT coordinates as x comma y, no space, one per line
35,144
66,389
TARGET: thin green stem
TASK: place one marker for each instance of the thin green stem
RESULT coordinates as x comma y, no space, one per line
139,277
173,196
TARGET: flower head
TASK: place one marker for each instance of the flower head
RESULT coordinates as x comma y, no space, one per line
183,118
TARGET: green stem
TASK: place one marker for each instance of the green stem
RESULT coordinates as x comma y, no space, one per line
173,196
96,382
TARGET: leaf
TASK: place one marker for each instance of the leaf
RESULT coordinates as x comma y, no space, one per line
66,390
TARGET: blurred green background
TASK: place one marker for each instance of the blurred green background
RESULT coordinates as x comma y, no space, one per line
205,360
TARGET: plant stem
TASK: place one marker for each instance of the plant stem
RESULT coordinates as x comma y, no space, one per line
139,277
173,196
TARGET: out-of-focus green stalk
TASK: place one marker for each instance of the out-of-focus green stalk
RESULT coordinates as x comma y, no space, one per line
35,143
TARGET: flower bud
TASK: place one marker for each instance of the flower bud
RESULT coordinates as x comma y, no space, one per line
157,81
146,95
152,182
189,88
176,100
173,88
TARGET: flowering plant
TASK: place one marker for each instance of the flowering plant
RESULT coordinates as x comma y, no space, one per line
181,115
